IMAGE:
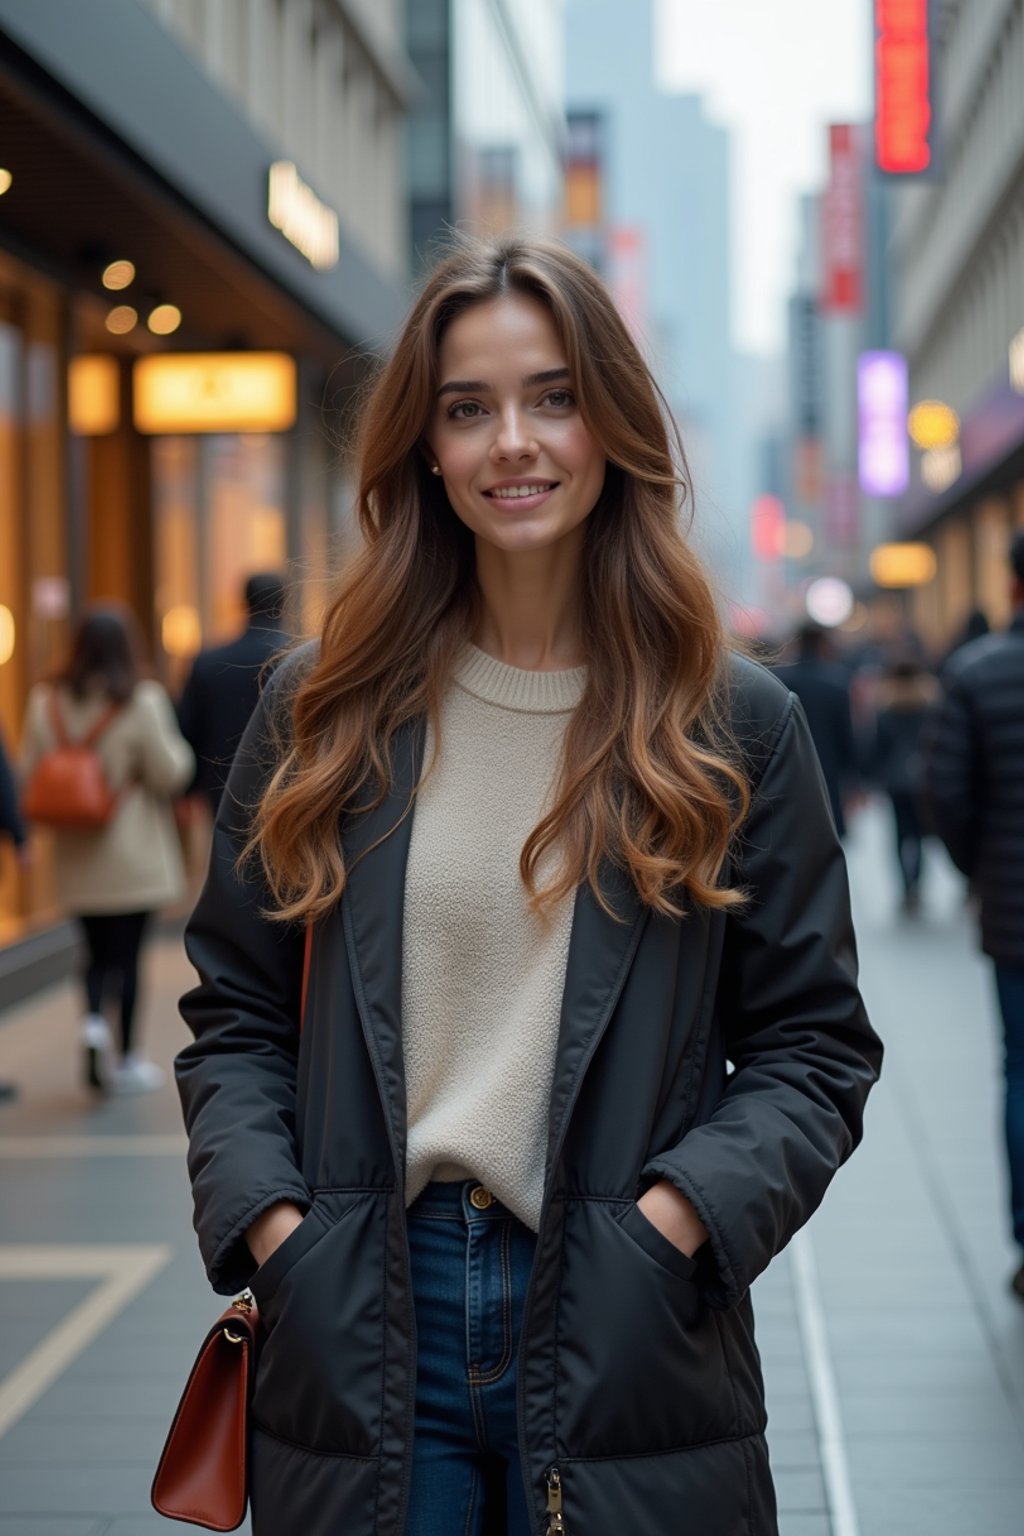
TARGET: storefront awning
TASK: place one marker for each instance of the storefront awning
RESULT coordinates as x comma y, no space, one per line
120,144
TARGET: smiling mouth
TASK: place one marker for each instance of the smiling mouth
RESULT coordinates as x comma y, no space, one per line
521,492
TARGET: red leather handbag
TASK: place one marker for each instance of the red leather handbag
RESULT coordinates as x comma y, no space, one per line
203,1474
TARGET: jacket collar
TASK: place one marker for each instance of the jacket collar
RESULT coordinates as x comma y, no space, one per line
601,949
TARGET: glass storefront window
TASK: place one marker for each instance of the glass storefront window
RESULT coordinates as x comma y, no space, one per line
219,511
34,574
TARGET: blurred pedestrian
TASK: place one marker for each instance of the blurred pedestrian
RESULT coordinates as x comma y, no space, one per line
112,878
823,689
224,684
509,1182
905,693
973,788
975,625
13,827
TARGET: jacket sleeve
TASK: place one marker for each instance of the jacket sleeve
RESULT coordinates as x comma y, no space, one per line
237,1081
948,772
803,1053
165,761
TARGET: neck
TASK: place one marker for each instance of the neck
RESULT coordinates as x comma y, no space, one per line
530,605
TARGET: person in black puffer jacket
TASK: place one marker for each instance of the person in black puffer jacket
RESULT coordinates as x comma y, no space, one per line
973,794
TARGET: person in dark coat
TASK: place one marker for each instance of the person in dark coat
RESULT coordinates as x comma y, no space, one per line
824,691
973,794
905,695
581,1044
11,823
224,684
975,625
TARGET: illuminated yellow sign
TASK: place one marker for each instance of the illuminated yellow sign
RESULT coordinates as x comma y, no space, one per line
181,631
302,218
903,565
7,633
94,394
932,424
215,392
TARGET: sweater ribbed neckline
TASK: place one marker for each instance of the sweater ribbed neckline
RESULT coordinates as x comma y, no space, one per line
518,688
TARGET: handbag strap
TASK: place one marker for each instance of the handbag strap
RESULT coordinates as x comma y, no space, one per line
92,736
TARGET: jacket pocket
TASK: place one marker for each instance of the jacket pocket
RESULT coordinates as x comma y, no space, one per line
320,1369
655,1244
285,1256
641,1366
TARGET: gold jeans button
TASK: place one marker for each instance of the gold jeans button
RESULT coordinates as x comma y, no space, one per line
480,1198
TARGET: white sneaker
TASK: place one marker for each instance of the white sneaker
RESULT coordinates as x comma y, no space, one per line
136,1075
97,1041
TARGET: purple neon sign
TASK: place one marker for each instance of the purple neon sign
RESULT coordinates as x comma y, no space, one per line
884,452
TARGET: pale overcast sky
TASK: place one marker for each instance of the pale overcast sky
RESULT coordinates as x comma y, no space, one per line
775,72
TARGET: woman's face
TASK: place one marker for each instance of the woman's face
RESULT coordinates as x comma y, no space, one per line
520,468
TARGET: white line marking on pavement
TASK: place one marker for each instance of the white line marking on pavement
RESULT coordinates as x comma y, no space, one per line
124,1270
93,1146
825,1397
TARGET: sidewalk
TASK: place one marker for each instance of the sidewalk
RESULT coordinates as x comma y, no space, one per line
893,1353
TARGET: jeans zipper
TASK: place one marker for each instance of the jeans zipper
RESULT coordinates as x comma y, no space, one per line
556,1525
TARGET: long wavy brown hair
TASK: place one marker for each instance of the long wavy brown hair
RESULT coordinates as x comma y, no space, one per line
649,778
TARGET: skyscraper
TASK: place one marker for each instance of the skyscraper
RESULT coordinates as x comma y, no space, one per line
665,208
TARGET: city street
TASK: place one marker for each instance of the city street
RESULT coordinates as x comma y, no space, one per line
893,1352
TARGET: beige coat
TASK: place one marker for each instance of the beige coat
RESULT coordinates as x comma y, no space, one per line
134,863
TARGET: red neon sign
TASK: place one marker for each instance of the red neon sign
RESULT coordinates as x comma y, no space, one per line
842,231
767,526
903,106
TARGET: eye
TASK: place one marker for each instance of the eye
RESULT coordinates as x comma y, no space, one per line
560,399
465,410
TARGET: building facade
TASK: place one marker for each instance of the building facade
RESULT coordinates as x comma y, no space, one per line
958,312
655,215
486,138
213,191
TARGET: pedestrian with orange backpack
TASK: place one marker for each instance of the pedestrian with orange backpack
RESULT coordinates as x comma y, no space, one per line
102,756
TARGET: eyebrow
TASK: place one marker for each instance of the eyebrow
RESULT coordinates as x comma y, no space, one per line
479,387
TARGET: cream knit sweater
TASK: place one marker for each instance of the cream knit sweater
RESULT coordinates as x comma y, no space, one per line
482,977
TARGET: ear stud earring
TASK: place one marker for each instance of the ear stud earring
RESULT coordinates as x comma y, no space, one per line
435,469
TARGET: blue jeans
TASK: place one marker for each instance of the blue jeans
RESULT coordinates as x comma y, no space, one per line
470,1267
1010,987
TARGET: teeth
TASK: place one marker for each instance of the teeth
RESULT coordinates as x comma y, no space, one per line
512,491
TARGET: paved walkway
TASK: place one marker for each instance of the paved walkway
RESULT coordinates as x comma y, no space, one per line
893,1353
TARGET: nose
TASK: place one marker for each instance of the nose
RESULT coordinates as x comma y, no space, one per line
513,440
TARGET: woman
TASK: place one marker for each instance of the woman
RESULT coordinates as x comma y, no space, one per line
560,859
905,696
114,877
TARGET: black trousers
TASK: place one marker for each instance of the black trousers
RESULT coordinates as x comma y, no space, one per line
909,836
113,941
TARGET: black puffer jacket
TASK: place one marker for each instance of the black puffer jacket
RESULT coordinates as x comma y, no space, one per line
973,780
640,1383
